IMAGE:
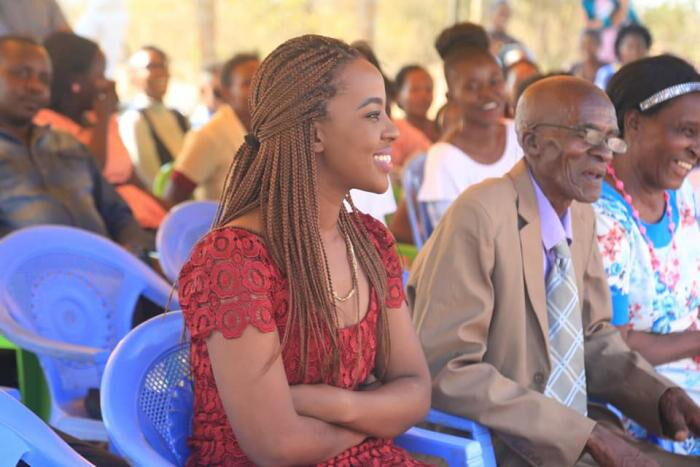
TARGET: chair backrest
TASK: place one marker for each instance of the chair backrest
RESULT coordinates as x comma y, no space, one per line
65,286
417,211
146,393
25,437
180,231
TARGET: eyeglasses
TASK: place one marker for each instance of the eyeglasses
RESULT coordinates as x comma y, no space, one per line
592,136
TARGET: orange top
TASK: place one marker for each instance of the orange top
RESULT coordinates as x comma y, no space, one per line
118,168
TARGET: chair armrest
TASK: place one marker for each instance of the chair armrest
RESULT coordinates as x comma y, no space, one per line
453,449
478,432
456,423
32,342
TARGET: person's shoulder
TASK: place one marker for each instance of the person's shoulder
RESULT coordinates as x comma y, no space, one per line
491,193
62,142
611,204
228,247
378,232
130,116
442,150
489,202
446,156
686,193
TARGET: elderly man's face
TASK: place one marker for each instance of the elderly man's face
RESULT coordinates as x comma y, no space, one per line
572,168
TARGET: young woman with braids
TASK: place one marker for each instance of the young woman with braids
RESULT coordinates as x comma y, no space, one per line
302,350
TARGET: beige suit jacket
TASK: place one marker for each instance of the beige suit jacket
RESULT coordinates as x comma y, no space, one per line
478,297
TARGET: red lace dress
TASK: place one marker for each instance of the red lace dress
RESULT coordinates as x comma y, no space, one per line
229,283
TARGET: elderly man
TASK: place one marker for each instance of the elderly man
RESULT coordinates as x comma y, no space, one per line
512,307
48,177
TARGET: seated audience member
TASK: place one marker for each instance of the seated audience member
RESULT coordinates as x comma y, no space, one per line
414,95
512,306
632,43
498,33
152,132
83,103
608,16
210,98
330,354
49,177
208,152
647,232
589,45
486,145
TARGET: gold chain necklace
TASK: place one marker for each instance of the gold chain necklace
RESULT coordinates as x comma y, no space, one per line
353,264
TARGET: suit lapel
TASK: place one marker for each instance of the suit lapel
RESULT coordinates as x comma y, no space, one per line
531,245
578,253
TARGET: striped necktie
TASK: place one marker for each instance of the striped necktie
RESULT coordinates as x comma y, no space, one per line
567,382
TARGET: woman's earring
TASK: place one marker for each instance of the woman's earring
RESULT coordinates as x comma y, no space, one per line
75,88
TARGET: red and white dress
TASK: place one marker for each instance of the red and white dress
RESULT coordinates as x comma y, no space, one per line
230,283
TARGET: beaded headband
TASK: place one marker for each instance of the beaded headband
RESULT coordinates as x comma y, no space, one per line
668,94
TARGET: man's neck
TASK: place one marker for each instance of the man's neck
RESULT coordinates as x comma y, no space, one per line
560,203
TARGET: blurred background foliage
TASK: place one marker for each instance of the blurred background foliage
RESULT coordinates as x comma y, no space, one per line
197,32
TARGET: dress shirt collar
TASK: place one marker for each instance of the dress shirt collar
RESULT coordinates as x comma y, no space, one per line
553,228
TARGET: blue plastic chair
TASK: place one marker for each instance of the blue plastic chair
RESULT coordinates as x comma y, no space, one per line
147,403
179,232
421,227
25,437
68,296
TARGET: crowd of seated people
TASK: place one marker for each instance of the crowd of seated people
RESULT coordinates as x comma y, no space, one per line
559,288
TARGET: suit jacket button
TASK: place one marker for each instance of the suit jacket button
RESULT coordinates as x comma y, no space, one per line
539,379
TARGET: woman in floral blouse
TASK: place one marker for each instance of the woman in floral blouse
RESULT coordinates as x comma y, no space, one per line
647,231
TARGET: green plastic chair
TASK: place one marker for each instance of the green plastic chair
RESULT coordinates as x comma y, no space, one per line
32,385
161,180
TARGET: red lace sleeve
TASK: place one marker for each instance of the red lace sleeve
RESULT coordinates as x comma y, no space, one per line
227,285
386,245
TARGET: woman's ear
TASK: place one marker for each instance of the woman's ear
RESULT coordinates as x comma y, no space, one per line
318,138
632,121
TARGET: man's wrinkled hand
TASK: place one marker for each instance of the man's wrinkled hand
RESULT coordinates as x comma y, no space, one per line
611,450
680,416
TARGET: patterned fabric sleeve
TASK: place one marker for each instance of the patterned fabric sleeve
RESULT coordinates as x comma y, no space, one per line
386,245
226,285
614,245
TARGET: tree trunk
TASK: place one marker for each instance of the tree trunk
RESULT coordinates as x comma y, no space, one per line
206,25
367,17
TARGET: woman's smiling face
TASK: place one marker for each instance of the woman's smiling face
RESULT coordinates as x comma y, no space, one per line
353,141
667,143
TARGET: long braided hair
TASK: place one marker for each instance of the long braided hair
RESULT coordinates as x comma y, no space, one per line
276,170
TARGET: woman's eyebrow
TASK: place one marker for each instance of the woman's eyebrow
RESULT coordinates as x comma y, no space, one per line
371,100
